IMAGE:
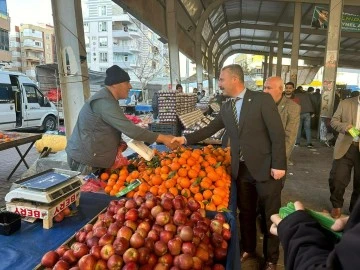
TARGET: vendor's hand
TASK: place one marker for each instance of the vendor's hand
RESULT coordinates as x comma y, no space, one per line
276,219
277,174
167,140
339,224
179,140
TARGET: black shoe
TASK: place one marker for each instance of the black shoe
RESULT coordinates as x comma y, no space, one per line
310,145
297,144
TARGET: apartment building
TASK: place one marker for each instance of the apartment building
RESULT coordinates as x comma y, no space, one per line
32,45
112,36
5,55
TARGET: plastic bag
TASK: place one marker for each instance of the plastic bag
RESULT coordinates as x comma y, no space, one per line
120,160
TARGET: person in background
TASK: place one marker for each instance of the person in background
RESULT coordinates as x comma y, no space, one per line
346,155
179,88
307,245
199,97
155,105
289,111
97,134
289,92
258,157
133,100
307,111
195,90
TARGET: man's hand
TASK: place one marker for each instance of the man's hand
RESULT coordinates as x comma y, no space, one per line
167,140
179,140
277,174
276,219
339,224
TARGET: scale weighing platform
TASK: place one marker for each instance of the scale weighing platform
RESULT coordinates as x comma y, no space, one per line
44,195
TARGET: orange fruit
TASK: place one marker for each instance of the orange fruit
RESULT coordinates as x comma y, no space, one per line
192,173
184,182
108,189
154,190
113,192
104,176
198,197
165,170
210,207
174,166
207,194
114,176
174,191
182,172
217,199
186,192
156,180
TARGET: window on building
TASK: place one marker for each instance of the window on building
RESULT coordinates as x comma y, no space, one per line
102,27
4,40
86,27
102,11
47,36
103,42
93,38
87,41
126,58
103,57
103,69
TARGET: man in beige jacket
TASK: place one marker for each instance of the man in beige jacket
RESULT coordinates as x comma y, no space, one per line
289,111
346,155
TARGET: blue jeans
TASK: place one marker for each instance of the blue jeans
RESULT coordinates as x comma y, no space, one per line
305,121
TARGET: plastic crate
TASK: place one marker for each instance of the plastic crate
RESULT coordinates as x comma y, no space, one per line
171,128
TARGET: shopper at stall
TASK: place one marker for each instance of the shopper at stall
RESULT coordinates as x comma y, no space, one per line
258,158
97,134
179,88
289,111
308,246
346,155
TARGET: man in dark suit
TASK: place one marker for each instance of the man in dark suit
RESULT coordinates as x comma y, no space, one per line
258,159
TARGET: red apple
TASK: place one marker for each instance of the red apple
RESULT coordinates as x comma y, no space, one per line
166,236
163,218
144,255
131,255
61,265
130,266
143,212
174,246
115,262
154,235
226,234
202,211
188,248
199,232
131,224
132,214
142,232
178,202
130,204
145,225
106,239
89,235
166,259
49,259
195,217
87,262
226,226
198,264
120,245
170,227
150,203
186,261
59,217
149,243
93,241
202,254
156,210
157,228
216,239
88,227
70,257
216,226
113,229
186,233
218,266
136,240
100,231
152,259
61,250
80,249
107,251
220,254
220,217
101,265
80,236
166,203
96,252
179,217
125,232
160,248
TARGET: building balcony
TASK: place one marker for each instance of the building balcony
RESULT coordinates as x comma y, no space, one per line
124,18
123,50
32,35
134,33
135,49
32,58
121,34
33,48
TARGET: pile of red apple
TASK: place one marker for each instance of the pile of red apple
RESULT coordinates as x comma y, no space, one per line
61,215
147,233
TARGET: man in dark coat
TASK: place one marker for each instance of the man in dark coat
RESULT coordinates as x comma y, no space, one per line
258,159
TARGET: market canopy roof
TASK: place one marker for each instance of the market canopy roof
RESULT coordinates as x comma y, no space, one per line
247,26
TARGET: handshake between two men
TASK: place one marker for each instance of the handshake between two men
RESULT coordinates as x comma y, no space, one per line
171,141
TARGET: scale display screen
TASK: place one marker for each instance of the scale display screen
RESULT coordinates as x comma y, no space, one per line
45,181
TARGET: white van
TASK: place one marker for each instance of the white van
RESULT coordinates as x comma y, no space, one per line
22,105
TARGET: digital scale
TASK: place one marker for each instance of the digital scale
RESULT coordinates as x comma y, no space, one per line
44,195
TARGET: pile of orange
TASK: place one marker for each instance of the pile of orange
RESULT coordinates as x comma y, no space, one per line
201,174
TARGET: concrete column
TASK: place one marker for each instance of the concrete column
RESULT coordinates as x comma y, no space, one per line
211,85
71,55
295,43
271,57
279,54
265,68
187,74
171,28
331,62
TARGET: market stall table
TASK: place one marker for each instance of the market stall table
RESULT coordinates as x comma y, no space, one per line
25,248
17,139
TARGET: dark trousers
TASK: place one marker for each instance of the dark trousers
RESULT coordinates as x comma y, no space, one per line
266,195
340,175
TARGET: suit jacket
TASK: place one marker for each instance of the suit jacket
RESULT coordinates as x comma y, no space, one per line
260,135
345,115
290,117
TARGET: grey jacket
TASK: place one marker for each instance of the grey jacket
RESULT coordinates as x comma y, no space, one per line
305,102
97,133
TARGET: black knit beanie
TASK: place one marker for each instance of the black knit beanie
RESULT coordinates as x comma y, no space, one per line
116,74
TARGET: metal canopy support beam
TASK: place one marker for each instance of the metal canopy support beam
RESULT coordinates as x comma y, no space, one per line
271,58
71,55
265,68
279,54
171,28
198,53
295,43
331,58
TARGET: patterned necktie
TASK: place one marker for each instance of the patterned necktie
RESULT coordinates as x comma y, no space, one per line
235,113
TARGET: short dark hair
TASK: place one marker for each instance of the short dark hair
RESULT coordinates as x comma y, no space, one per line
236,70
178,85
311,89
290,83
